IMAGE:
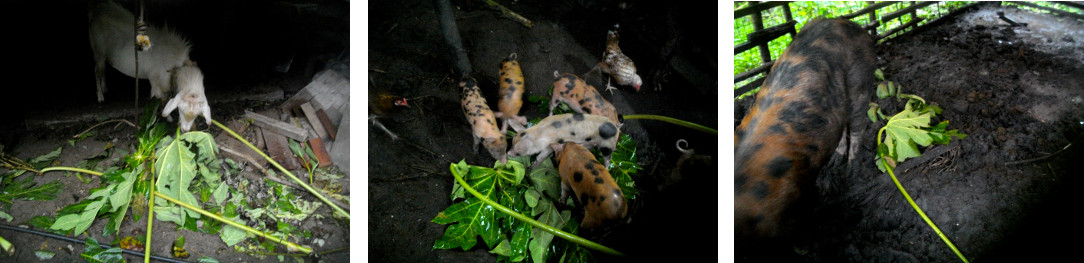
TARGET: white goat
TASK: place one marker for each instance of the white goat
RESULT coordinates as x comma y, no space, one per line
166,64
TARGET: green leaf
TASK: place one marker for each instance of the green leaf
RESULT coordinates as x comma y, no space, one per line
471,217
872,112
540,239
44,254
221,193
503,249
43,161
546,179
25,189
6,216
206,259
623,166
92,252
880,75
904,130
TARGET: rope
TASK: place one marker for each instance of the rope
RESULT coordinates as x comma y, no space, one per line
142,43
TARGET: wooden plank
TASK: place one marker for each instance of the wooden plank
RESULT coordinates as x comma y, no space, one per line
868,9
762,68
314,121
1052,10
317,146
275,126
764,36
234,149
905,10
748,87
754,8
331,130
279,150
897,29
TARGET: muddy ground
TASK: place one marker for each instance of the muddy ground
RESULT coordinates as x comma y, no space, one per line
1002,194
409,180
242,48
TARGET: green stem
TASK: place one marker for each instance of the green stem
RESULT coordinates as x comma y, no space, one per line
673,121
6,247
919,210
556,232
289,244
150,219
72,169
291,175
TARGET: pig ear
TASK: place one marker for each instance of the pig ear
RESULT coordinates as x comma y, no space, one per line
170,106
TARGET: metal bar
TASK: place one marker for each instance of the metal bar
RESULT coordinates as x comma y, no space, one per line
901,27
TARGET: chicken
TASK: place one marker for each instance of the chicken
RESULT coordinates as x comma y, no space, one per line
617,64
382,103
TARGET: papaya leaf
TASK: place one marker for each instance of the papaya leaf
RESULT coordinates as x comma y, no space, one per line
904,130
45,160
79,221
472,217
623,166
540,240
95,253
25,189
546,179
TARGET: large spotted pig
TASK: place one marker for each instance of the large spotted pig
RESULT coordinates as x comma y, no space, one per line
483,124
591,183
822,80
580,97
580,128
511,95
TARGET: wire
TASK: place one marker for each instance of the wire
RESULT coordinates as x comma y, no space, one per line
55,236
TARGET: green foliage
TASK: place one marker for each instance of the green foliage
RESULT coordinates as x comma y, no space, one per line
95,253
624,165
176,167
27,189
512,239
111,199
908,129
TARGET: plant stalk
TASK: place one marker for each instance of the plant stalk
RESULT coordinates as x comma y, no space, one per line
686,124
291,175
920,213
150,217
556,232
306,250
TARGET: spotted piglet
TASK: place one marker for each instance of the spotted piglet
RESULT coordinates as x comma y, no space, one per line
821,81
582,98
511,98
592,184
591,130
483,124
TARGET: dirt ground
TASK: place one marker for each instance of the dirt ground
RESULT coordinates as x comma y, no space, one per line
242,48
1002,193
409,180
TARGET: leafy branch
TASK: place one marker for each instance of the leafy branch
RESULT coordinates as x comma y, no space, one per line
902,132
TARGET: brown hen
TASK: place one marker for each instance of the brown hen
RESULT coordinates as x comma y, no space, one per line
617,64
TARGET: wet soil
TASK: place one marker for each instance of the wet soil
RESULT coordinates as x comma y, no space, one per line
1001,193
409,181
242,47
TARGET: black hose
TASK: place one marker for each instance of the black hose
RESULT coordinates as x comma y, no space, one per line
55,236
